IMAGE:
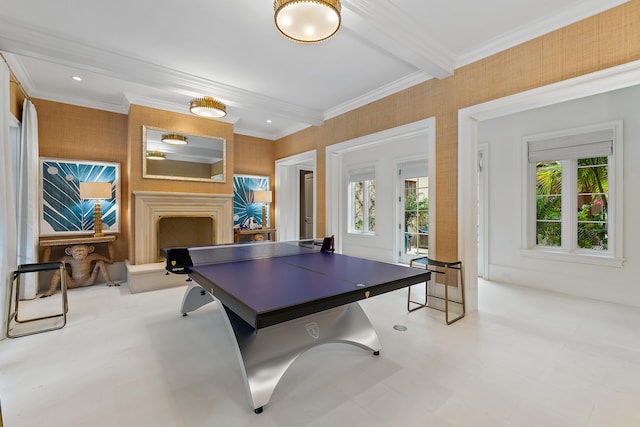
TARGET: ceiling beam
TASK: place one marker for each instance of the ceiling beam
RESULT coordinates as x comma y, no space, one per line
388,27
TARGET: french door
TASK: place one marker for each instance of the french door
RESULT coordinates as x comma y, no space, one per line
413,227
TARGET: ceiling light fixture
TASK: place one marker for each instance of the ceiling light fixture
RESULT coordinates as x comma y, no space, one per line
207,107
155,155
77,78
307,21
174,139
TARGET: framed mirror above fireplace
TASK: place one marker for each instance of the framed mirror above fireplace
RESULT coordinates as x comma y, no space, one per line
169,154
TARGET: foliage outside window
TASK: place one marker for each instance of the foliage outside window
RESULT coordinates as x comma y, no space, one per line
593,206
549,204
416,213
416,207
591,195
363,201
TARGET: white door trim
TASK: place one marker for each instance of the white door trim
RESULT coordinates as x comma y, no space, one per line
334,188
619,77
483,207
288,194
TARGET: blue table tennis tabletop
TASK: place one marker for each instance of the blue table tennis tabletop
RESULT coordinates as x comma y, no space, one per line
269,283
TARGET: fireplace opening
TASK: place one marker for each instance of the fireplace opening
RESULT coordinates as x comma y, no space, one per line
184,230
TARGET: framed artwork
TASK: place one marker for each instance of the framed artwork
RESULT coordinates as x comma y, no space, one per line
62,211
245,211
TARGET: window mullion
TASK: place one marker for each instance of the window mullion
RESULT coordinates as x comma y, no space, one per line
569,205
365,206
530,231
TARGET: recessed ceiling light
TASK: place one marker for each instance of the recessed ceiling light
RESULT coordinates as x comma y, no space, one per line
268,121
77,78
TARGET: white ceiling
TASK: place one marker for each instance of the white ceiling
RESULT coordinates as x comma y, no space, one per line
161,54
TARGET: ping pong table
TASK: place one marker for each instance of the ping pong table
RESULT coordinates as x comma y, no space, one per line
281,299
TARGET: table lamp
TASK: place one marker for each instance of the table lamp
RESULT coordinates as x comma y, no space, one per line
97,191
264,197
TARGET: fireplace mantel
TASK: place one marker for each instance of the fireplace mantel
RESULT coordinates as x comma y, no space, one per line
151,205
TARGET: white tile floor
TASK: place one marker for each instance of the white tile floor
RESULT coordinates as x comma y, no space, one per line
527,358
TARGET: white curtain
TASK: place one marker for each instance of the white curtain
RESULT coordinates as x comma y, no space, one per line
27,199
8,256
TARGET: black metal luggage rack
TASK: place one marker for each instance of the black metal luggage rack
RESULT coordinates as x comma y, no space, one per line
440,268
13,318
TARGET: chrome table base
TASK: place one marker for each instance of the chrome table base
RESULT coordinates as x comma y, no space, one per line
266,353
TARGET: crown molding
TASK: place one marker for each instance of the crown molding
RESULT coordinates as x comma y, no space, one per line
273,136
35,43
19,72
253,133
374,95
568,16
122,108
290,130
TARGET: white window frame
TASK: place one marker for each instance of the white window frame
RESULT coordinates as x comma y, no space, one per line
569,251
365,174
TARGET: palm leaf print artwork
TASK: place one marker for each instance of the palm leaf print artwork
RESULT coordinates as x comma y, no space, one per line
243,206
62,209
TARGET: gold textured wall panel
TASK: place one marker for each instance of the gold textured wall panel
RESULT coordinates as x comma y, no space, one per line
70,132
602,41
16,97
180,123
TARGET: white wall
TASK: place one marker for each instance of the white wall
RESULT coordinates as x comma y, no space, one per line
384,156
507,263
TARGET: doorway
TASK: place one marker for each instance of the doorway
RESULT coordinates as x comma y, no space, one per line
289,190
306,204
413,230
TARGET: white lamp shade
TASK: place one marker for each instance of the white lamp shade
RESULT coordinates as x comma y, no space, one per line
262,196
95,190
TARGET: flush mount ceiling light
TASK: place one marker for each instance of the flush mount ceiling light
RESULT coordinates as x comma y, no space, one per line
207,107
155,155
174,139
307,21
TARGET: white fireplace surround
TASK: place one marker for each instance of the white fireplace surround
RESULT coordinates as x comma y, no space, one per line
151,205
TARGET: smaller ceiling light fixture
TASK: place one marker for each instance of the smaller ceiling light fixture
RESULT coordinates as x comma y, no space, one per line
207,107
307,21
155,155
174,139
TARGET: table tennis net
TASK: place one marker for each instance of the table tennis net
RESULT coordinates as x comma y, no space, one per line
180,260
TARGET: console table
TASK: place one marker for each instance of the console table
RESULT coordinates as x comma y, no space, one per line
47,244
257,234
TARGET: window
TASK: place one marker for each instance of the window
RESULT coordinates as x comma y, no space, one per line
572,195
549,203
362,200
